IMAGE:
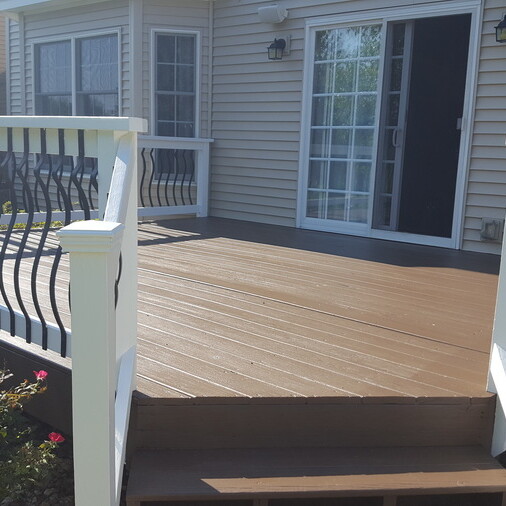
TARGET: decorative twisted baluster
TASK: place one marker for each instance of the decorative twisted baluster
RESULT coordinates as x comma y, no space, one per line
63,196
22,173
43,162
8,169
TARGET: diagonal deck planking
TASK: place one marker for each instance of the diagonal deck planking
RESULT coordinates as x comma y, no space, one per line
236,309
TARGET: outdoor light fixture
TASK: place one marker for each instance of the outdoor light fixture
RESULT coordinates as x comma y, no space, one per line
500,31
275,50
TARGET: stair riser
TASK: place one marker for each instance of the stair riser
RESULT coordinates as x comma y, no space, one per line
285,425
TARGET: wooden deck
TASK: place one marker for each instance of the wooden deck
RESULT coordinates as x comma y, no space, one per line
264,341
234,309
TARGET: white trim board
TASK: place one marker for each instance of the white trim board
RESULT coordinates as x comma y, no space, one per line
384,16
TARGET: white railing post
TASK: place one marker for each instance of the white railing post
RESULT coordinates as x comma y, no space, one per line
94,250
126,309
496,369
202,162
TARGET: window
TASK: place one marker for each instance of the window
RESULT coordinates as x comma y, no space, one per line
97,82
175,84
95,66
53,90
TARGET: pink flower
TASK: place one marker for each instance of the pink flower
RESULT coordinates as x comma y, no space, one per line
56,437
40,375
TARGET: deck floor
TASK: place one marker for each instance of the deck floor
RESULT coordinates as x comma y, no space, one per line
236,309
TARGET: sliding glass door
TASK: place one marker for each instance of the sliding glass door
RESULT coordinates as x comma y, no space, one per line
383,141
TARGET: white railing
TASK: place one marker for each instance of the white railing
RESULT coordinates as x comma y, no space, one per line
497,369
173,176
104,330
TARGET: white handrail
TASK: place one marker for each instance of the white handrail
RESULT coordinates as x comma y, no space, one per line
497,375
121,182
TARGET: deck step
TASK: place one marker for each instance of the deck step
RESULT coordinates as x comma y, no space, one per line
249,474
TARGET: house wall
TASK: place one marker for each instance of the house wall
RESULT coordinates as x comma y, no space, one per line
149,14
192,15
256,107
3,55
14,103
257,115
486,194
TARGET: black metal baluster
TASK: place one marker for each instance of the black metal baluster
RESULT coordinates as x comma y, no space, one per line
168,164
159,181
192,176
176,174
142,177
151,177
49,177
69,181
36,195
45,231
118,279
8,167
25,176
181,186
22,173
76,172
93,181
57,177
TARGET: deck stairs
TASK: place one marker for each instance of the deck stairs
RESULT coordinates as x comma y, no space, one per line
318,452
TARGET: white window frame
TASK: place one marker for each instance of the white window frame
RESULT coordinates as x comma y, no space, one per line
384,16
73,47
152,76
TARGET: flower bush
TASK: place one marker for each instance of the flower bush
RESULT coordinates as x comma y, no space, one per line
29,467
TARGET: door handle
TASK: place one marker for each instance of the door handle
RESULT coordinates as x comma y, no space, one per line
395,137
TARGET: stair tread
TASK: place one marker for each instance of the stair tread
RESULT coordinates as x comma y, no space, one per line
288,472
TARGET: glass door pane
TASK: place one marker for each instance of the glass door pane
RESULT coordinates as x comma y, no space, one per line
393,125
344,96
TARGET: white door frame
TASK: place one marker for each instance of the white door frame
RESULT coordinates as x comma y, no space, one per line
383,16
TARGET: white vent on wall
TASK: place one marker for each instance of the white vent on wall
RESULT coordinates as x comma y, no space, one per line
272,14
491,229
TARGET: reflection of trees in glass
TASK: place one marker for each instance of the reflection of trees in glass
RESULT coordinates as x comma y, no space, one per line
370,40
346,69
348,43
325,45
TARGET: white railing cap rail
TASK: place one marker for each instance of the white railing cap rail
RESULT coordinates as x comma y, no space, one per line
157,141
76,122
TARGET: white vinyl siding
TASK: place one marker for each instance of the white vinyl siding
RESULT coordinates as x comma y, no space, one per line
14,74
178,16
486,188
3,76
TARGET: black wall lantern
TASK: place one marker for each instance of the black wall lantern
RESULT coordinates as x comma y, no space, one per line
500,31
275,50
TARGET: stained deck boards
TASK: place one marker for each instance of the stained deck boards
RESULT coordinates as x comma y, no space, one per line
231,309
311,472
235,309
